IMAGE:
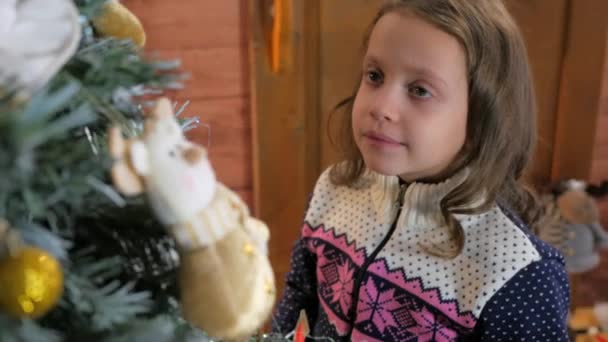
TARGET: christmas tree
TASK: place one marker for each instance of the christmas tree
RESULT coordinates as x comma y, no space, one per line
79,259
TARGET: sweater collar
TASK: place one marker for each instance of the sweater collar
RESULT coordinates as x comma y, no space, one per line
420,200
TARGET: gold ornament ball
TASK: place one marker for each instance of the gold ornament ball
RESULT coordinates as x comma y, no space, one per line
117,21
31,283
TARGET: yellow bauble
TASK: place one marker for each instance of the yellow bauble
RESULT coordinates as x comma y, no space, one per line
31,283
118,22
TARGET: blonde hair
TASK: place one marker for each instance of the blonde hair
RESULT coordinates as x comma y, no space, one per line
501,123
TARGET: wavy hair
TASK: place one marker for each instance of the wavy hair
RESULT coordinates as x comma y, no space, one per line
501,121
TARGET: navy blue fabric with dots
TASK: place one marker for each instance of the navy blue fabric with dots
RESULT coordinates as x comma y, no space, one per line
531,306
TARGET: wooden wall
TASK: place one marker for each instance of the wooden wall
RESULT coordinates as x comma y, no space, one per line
566,41
592,289
285,120
209,39
599,170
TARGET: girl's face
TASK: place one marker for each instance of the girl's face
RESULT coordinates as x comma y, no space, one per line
410,111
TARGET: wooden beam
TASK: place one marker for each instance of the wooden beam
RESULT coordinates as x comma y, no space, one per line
543,25
310,89
599,171
208,38
580,88
189,24
285,123
342,53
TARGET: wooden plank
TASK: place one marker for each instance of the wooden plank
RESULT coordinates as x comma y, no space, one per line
580,89
341,53
601,151
246,195
189,24
602,127
214,72
233,171
599,171
226,117
604,96
230,144
285,124
603,207
208,37
543,25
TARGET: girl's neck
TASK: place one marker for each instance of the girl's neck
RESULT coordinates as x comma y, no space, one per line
427,181
431,180
456,167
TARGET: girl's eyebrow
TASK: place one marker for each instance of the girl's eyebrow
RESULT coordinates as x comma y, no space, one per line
417,70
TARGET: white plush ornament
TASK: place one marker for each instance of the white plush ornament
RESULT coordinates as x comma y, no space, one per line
37,37
226,280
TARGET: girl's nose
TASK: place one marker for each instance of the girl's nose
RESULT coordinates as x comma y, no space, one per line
383,115
387,105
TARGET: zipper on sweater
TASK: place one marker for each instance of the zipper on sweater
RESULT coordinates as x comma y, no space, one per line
352,314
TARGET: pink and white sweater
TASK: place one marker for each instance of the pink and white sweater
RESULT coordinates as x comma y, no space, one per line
361,273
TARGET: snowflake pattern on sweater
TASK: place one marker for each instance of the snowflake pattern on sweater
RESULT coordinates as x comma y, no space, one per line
505,286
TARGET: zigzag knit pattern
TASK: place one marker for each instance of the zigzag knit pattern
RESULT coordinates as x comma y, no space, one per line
406,294
385,308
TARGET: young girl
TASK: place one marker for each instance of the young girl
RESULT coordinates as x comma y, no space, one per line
417,235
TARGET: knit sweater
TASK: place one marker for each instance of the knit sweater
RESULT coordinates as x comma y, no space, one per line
361,272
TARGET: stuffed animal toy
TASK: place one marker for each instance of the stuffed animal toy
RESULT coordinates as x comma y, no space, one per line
226,280
576,230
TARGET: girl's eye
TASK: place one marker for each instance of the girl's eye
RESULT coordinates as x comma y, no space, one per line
419,92
374,76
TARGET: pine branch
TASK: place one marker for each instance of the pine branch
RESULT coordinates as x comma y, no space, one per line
12,330
161,329
89,8
54,179
96,303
